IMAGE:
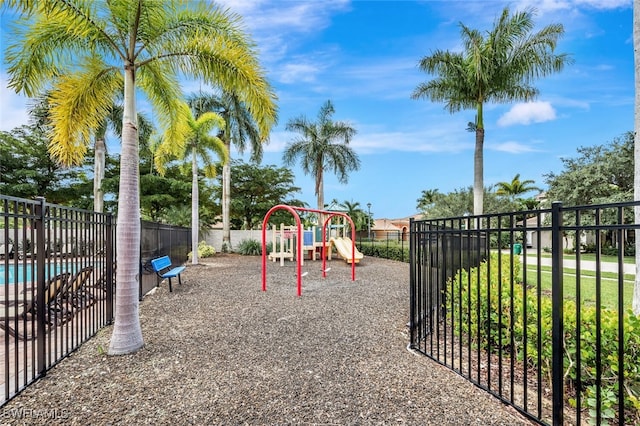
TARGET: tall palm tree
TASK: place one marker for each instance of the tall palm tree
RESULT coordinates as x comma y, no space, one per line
323,145
87,52
499,66
636,174
516,187
241,130
198,145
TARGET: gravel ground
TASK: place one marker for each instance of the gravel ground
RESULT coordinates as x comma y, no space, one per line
218,350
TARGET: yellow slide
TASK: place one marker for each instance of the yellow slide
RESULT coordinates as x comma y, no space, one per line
343,245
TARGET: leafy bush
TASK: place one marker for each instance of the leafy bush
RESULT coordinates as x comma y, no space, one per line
629,250
505,327
204,250
384,252
250,248
502,242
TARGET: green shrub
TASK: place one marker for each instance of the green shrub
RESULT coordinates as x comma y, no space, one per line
392,252
204,250
629,250
501,242
250,248
502,325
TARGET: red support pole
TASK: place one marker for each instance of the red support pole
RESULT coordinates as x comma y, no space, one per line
298,245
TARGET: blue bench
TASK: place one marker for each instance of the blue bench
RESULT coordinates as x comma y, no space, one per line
162,267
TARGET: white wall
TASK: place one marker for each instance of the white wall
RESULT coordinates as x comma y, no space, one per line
214,237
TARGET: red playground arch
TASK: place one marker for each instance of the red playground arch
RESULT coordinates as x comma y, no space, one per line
294,211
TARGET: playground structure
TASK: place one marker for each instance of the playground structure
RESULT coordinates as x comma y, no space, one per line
296,236
283,240
345,246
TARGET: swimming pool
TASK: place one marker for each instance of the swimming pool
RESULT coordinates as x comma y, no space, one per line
26,273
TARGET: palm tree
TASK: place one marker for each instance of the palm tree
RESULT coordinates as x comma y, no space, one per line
636,174
516,187
241,127
318,150
88,52
198,145
499,67
427,198
353,210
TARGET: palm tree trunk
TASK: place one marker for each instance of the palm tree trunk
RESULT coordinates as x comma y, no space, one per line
226,200
98,175
127,333
636,183
320,195
478,173
195,201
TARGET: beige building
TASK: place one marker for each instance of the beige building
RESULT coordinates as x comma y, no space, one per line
382,229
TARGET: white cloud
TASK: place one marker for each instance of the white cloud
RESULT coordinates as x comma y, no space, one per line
294,16
298,72
512,147
444,137
373,140
527,113
14,107
548,6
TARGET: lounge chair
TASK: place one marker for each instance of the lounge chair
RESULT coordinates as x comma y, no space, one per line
99,289
6,251
21,314
76,291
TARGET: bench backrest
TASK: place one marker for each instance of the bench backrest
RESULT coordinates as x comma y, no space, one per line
160,263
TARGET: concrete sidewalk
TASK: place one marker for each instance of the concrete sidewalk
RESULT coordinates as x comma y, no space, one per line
588,265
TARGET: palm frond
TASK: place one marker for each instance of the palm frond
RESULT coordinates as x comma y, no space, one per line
79,102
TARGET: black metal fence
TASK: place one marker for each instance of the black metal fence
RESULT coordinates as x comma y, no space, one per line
57,282
159,239
386,244
56,277
534,307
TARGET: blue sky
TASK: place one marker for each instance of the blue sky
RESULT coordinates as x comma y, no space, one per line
363,56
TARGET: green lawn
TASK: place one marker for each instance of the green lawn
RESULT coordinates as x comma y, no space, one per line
608,286
587,256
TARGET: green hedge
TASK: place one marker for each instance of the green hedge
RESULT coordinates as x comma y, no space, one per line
507,301
381,250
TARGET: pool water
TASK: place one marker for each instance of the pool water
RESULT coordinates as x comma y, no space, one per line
28,274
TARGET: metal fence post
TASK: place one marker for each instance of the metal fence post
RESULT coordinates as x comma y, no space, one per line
557,298
413,264
41,309
110,252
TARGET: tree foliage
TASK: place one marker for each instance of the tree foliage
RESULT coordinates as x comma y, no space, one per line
257,189
322,146
599,174
359,217
516,187
499,66
89,52
28,171
460,203
240,130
